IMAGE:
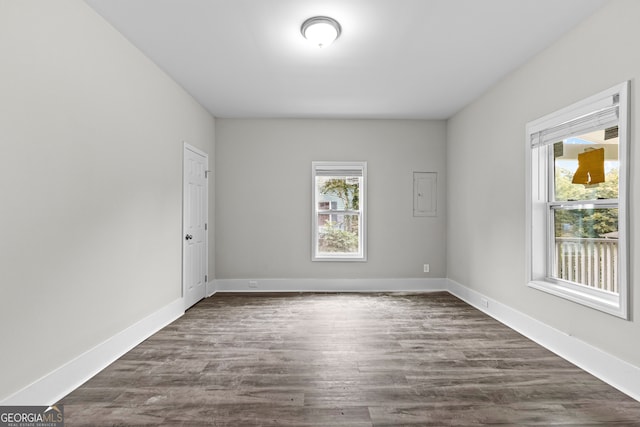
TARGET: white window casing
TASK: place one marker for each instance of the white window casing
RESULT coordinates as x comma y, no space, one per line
355,171
600,111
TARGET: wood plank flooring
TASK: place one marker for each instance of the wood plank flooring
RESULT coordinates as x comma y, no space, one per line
317,359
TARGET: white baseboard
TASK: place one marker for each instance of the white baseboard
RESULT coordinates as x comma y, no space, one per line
330,285
57,384
60,382
615,372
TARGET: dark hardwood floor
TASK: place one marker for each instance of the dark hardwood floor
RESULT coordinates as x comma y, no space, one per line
343,360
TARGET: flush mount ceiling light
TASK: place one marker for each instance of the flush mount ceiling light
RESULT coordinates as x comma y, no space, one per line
321,30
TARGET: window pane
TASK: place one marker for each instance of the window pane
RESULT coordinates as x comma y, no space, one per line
338,232
586,166
339,192
586,247
340,235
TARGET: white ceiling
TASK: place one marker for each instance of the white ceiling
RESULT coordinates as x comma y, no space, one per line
394,59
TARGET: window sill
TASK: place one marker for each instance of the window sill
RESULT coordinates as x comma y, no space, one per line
340,258
606,302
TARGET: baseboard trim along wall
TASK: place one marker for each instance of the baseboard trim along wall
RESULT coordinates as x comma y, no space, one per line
60,382
57,384
615,372
330,285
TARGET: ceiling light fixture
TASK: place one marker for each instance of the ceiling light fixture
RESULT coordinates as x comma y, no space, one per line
321,30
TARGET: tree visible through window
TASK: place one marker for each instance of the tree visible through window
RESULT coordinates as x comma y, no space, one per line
338,211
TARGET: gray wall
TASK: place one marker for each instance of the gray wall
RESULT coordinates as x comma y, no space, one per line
486,181
263,196
91,181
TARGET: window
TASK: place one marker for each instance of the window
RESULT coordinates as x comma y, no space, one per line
577,202
338,208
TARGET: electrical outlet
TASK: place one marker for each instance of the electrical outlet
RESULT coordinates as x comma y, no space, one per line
253,284
426,268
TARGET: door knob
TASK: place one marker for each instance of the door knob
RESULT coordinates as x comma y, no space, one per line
188,237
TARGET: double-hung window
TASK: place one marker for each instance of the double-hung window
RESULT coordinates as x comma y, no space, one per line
338,211
577,202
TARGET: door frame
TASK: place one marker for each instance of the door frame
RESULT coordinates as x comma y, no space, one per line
202,153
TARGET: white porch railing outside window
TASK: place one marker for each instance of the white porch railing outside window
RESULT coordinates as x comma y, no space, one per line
590,262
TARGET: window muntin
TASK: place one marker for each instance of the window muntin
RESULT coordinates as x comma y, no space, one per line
338,211
577,168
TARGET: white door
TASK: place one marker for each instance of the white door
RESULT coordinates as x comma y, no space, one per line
194,228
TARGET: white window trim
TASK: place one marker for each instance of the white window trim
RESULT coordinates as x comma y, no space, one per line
537,197
360,256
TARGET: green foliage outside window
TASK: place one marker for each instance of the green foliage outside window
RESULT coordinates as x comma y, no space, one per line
585,223
336,240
